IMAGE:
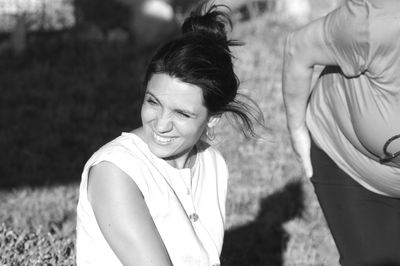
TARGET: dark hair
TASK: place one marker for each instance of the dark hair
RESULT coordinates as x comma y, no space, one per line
201,56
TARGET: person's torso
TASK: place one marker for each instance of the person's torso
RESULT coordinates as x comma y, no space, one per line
187,205
355,110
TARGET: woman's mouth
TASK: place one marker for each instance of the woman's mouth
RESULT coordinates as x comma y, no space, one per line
162,140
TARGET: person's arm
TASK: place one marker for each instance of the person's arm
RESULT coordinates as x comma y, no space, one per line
304,49
124,218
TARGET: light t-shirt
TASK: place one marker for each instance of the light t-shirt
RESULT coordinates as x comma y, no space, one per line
355,109
187,205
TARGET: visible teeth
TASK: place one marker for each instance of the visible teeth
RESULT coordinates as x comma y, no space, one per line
162,139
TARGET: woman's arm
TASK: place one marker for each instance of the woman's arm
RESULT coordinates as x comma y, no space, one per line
304,49
124,218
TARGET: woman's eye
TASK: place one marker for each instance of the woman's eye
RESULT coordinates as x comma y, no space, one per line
182,114
151,101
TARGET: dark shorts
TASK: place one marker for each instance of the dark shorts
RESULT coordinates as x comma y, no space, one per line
364,225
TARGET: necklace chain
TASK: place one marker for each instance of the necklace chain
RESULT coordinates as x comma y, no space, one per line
187,186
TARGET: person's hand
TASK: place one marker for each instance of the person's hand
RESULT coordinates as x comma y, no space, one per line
301,144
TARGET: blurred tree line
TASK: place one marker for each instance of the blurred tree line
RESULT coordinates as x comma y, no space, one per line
143,22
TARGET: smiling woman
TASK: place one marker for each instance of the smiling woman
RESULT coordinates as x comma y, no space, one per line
156,195
174,118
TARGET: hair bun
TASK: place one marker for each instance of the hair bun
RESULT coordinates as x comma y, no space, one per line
208,20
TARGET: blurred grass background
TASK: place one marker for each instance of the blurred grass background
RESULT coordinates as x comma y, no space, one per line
59,103
62,100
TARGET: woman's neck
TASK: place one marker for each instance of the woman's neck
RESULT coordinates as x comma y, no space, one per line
184,161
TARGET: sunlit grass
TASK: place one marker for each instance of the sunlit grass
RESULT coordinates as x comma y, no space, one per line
258,168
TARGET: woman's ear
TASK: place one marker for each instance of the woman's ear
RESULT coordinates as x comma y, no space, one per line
213,120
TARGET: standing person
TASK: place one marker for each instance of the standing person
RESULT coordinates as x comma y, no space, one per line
156,195
353,115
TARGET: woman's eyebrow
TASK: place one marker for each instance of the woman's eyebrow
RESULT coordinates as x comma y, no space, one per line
179,110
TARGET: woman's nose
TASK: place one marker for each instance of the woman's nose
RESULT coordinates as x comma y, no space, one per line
163,123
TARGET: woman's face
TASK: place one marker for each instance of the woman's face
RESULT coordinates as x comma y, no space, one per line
173,116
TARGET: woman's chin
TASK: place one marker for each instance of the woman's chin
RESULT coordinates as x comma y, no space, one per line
161,151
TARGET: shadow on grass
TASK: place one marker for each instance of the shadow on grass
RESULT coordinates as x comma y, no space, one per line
263,241
59,103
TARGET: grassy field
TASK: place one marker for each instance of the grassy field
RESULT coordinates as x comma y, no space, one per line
65,111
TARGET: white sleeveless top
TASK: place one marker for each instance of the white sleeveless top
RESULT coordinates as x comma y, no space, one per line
187,205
